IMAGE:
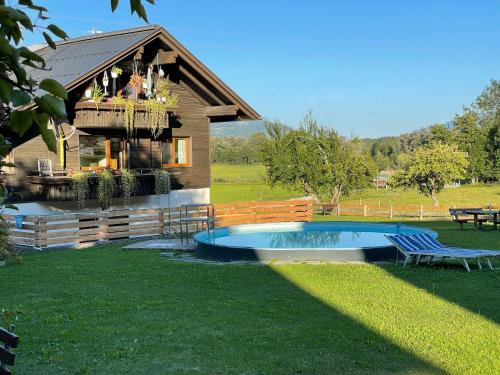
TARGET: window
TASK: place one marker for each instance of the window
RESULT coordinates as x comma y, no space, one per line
177,152
98,152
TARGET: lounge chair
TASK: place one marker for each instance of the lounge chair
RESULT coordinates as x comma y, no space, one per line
425,245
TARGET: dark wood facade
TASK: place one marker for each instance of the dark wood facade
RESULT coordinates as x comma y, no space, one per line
202,99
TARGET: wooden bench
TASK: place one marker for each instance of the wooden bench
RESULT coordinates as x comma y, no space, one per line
9,340
455,214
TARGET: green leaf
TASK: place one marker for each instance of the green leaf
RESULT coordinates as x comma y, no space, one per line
25,20
114,4
42,119
49,40
54,88
52,105
30,55
21,121
57,31
5,90
49,138
19,98
136,6
4,47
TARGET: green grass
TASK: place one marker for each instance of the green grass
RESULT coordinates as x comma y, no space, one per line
464,196
228,193
103,310
232,183
236,173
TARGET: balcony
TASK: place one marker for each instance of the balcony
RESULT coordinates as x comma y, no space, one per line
58,187
110,115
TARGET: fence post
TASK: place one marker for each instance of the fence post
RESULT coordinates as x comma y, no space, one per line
365,210
421,212
338,209
40,234
390,212
103,232
162,222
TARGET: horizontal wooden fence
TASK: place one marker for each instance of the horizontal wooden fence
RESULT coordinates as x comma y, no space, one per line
263,212
70,229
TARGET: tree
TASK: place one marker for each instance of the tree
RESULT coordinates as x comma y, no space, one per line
487,104
440,133
430,168
471,138
316,160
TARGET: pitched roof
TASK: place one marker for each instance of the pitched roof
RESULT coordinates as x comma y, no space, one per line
77,59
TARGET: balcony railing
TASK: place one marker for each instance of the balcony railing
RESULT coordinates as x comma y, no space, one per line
110,115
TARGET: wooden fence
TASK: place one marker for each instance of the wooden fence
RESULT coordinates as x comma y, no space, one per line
417,212
263,212
70,229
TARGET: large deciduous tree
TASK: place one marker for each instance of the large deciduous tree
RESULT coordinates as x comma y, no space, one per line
316,160
429,168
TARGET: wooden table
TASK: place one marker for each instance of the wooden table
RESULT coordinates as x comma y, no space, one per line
477,212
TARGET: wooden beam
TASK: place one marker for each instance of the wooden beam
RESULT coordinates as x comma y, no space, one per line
189,76
165,57
221,110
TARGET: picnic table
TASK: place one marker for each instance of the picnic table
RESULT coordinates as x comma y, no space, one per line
476,212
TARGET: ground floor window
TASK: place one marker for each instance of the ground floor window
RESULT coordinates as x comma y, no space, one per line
98,152
177,152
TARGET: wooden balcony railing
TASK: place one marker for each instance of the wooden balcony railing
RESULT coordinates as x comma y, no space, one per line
109,115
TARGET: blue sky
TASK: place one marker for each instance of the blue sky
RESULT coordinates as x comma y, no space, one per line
368,68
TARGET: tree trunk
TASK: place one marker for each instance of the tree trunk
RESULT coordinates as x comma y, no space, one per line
311,192
336,193
435,201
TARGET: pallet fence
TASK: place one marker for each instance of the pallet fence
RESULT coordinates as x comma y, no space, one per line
70,229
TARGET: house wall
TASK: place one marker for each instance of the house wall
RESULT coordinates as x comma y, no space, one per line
144,152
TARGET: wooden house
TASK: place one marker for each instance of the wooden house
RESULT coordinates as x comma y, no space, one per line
139,100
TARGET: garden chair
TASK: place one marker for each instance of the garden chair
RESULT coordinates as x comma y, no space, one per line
45,167
424,245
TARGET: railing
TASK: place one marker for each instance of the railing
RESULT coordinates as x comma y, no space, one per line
418,212
69,229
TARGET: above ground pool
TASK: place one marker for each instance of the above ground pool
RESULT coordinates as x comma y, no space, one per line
334,241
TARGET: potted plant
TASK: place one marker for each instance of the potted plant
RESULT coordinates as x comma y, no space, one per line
128,184
116,72
80,187
106,188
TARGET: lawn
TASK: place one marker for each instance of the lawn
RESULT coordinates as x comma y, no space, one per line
232,183
102,310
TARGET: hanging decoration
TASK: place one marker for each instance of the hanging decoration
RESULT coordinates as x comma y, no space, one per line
105,82
149,82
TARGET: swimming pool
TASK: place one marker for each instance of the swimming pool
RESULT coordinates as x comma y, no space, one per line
337,241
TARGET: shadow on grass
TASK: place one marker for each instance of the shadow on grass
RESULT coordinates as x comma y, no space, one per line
103,310
448,279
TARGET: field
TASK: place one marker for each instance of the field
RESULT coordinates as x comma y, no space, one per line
102,310
241,182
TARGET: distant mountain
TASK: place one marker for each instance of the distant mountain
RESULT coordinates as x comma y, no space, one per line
241,129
